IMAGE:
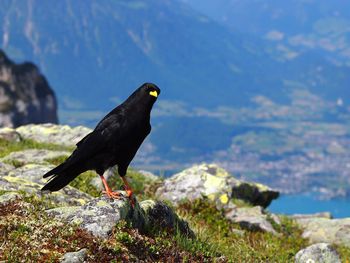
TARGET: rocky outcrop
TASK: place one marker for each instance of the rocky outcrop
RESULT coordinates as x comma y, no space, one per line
320,253
51,133
212,182
25,95
215,183
34,156
253,218
28,178
336,231
100,215
46,133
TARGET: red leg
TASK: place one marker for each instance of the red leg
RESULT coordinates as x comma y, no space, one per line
128,191
108,191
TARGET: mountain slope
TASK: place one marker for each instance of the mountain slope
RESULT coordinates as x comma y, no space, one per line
115,46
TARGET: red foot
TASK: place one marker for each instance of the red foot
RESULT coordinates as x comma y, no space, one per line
111,194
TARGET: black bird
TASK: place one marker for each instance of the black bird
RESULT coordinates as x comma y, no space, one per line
114,141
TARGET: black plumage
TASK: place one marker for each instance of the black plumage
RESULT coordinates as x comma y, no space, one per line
114,141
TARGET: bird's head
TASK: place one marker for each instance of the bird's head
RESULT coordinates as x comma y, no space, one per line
151,90
145,95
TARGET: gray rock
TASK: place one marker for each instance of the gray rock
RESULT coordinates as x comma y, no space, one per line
75,257
8,197
5,168
318,230
213,182
37,156
52,133
318,253
100,215
28,178
10,135
251,218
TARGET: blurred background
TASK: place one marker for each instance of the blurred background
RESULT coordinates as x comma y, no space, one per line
260,87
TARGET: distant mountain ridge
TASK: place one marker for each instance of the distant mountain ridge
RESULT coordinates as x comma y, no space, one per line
115,46
25,95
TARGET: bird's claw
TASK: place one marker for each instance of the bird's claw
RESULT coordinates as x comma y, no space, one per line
110,194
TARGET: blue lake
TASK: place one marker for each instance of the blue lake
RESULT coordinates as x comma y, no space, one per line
307,204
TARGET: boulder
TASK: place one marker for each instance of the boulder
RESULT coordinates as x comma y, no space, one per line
28,178
5,168
251,218
320,253
9,134
35,156
215,183
326,230
100,215
52,133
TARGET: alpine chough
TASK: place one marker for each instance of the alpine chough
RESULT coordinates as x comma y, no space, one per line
114,141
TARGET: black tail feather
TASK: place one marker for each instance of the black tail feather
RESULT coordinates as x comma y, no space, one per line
54,171
58,182
62,175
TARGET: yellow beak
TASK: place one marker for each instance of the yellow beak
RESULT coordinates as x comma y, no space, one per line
153,93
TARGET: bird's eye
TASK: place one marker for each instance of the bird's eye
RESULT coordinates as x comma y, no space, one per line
153,93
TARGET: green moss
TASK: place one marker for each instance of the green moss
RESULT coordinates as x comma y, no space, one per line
344,252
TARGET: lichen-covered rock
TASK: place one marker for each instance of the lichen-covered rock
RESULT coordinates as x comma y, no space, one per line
5,168
75,257
9,134
213,182
28,178
52,133
100,215
35,156
320,253
252,218
318,230
162,216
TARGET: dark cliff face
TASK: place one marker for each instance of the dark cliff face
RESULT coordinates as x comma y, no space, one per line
25,95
